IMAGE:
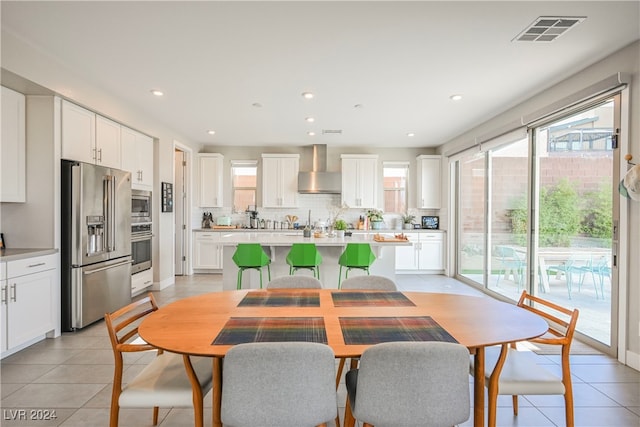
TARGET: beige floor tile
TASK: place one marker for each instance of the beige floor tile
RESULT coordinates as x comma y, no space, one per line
22,374
49,396
78,374
35,417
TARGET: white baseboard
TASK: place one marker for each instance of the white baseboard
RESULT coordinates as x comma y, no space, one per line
633,360
158,286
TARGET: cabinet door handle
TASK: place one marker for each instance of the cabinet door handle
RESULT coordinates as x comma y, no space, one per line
95,154
15,293
4,294
100,155
36,265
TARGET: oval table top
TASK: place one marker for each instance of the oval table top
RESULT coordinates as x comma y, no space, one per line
189,326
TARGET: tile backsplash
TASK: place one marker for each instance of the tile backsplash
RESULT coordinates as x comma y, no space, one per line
323,207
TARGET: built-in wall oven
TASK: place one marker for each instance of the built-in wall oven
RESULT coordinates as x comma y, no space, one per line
141,236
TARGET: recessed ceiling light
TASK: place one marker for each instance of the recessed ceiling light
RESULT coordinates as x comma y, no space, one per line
411,134
307,95
311,133
358,106
455,97
211,132
310,119
157,92
256,104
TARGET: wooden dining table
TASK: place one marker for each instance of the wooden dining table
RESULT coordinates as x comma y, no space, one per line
348,321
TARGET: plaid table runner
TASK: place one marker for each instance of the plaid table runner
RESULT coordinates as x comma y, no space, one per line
280,299
374,330
239,330
363,299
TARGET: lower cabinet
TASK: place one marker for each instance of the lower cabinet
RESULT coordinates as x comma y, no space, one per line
426,254
207,251
141,281
28,291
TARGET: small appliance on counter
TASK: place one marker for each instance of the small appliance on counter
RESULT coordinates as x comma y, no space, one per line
254,222
430,222
223,220
207,220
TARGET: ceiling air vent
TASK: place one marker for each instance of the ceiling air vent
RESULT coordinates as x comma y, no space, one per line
332,131
548,28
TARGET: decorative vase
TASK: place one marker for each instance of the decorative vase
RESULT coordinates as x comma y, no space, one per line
340,234
376,225
408,226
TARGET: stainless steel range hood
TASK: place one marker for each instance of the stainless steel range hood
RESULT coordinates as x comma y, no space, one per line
319,180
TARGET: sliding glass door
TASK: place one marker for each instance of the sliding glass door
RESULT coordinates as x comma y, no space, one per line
575,169
536,212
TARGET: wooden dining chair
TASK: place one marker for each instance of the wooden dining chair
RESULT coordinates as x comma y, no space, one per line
164,381
284,384
410,384
512,372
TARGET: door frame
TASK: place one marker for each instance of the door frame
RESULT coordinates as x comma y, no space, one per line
185,203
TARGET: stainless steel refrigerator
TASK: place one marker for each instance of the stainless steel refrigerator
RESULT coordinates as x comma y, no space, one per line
96,242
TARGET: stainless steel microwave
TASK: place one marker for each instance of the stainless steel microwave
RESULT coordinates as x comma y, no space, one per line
140,206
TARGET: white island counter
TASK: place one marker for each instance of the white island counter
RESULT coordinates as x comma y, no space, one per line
278,244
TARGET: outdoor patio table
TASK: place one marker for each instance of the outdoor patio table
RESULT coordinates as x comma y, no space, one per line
210,324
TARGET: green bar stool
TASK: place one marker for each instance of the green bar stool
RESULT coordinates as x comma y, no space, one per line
356,255
304,255
251,255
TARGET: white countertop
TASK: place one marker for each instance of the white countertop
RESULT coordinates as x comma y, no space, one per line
295,236
299,231
9,254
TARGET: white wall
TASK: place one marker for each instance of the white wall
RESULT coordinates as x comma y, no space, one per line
627,60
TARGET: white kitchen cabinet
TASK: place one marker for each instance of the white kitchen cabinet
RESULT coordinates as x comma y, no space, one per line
108,148
88,137
137,158
429,177
207,251
12,154
360,180
210,171
141,281
424,255
407,256
27,295
280,180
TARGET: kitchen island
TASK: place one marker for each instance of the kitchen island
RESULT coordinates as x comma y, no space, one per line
277,246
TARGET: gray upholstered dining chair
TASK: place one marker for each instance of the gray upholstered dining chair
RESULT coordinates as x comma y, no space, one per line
285,384
294,282
410,384
164,381
374,283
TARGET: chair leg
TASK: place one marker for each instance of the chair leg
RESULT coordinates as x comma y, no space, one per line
339,277
155,415
260,270
239,281
514,400
269,272
339,374
568,407
115,411
349,421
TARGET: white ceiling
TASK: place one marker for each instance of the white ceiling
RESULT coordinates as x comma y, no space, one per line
400,60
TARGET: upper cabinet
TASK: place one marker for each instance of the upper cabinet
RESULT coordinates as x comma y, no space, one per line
89,138
210,166
137,157
360,180
12,154
429,172
280,180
